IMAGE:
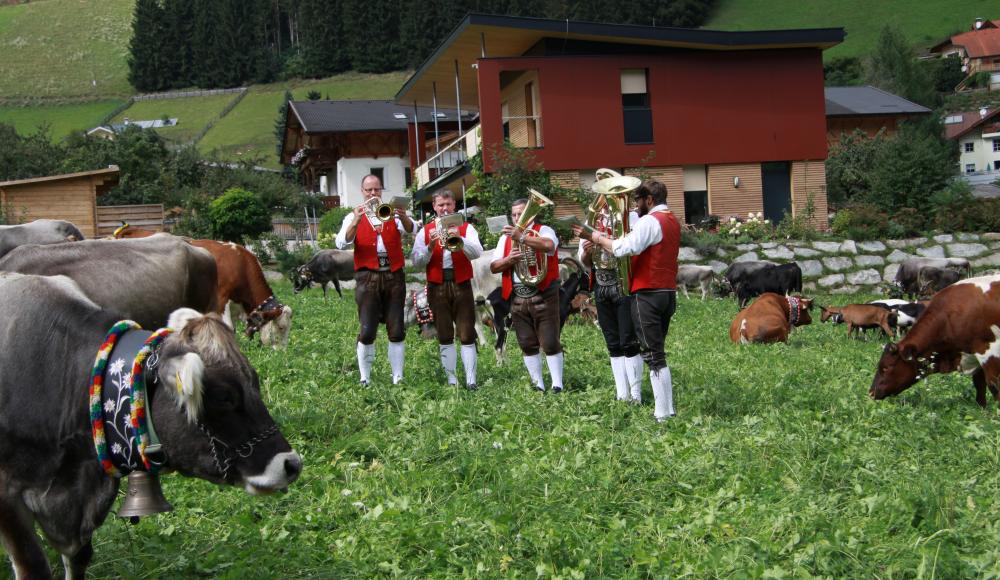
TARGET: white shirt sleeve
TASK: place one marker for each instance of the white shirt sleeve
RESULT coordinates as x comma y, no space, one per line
473,248
342,242
421,254
547,232
647,232
416,226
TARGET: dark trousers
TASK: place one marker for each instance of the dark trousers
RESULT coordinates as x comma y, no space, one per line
651,312
614,315
454,307
380,297
536,322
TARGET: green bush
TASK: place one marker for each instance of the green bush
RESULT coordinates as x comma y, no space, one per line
332,220
861,222
237,214
267,247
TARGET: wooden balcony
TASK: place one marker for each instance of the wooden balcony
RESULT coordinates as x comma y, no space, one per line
454,154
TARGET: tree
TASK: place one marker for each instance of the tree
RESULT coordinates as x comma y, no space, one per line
24,156
849,166
279,122
146,59
893,68
843,72
238,214
913,165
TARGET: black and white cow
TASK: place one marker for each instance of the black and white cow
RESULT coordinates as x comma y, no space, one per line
756,278
907,313
50,476
39,232
326,267
144,279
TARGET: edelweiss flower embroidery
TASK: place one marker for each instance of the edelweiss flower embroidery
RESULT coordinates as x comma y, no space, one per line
116,449
109,406
117,366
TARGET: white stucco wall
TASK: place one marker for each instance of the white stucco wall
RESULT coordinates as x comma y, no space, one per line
983,157
350,172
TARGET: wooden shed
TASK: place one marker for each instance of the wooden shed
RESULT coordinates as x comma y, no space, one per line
71,197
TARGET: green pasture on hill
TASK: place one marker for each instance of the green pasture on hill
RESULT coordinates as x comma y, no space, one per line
192,114
61,119
65,48
248,130
777,465
922,23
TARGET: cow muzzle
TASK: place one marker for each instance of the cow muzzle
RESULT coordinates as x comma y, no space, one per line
281,471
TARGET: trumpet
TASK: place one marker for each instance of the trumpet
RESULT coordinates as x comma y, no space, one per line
377,212
532,267
446,238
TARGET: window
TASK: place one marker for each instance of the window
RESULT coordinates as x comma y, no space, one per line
970,167
969,147
380,173
952,119
996,145
636,110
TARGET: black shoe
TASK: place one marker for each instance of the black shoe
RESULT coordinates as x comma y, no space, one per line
557,390
365,384
472,387
538,388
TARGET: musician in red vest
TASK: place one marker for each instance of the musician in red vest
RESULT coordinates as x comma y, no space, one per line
380,288
653,243
535,309
449,288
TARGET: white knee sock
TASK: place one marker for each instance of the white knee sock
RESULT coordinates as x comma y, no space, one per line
621,380
663,393
534,366
397,353
469,358
366,356
633,369
555,364
449,360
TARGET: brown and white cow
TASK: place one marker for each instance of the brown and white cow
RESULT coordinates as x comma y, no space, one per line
770,319
959,330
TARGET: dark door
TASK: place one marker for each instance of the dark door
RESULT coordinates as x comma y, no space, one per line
776,179
695,206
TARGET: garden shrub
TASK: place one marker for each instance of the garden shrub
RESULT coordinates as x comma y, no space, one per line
332,220
237,214
861,222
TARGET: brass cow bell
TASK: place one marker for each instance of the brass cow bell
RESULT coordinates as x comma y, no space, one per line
143,497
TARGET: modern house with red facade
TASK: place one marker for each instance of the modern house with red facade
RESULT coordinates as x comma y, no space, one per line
731,122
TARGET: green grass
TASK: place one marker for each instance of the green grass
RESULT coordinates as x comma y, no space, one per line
65,48
62,119
248,130
777,465
192,114
922,23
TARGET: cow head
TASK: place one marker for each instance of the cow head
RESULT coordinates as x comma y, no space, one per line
721,287
301,278
897,370
208,411
801,316
275,326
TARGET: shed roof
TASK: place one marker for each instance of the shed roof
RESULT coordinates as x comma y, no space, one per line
348,116
868,100
109,171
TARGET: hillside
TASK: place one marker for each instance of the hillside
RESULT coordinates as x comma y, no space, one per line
923,23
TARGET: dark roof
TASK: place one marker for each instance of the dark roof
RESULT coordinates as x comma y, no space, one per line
868,100
970,120
110,170
347,116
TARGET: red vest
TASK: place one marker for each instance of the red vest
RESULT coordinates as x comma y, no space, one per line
460,263
656,266
365,245
551,274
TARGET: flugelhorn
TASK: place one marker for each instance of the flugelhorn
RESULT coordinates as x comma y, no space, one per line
532,267
609,212
376,211
450,241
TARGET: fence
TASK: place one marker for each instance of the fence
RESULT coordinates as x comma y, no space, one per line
295,229
185,94
147,217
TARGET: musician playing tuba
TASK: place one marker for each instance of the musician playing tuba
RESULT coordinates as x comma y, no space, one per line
529,261
448,251
609,278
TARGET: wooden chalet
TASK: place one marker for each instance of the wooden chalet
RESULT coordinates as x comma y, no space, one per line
71,197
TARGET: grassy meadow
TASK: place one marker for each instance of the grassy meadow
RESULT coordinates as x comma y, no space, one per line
777,465
192,114
62,119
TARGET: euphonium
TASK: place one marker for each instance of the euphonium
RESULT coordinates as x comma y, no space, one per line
377,212
450,241
609,213
532,267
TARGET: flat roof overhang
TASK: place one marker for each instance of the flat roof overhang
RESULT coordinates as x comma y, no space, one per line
509,36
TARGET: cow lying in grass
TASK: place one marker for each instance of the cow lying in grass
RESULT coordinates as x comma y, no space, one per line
770,319
863,316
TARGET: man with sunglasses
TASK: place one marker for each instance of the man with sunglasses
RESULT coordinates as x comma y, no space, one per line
380,289
653,243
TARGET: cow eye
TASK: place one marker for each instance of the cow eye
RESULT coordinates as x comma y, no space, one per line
222,396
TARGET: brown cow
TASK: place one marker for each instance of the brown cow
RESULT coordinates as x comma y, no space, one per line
770,318
960,330
863,316
240,280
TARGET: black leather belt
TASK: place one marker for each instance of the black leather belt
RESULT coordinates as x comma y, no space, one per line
448,275
524,291
606,277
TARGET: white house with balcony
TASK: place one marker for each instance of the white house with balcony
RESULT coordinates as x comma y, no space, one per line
977,134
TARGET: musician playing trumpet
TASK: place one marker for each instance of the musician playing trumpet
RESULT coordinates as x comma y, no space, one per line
535,309
448,255
380,288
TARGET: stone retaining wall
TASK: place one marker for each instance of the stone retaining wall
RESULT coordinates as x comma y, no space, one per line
849,266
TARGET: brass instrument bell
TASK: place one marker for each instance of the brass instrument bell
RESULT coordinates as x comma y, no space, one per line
143,497
531,269
377,212
452,242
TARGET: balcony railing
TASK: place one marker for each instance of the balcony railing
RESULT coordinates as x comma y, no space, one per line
456,153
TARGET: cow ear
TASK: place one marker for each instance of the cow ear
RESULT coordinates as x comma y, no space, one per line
180,317
908,352
184,375
892,348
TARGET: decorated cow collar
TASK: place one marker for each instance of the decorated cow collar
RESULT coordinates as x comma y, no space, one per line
794,309
424,313
121,425
255,318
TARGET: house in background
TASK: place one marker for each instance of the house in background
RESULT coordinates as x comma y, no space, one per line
866,108
979,50
977,134
71,197
731,122
109,131
336,143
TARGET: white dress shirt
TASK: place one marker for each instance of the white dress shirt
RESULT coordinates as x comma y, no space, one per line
633,220
544,231
345,244
472,249
645,233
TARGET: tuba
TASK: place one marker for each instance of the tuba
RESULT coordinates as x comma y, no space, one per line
609,212
532,267
377,212
447,240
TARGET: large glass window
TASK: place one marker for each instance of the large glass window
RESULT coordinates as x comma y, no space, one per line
636,111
